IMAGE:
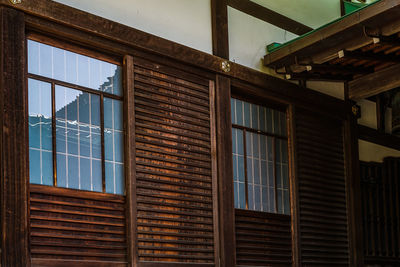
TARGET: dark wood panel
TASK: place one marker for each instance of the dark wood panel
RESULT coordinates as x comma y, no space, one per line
322,191
380,190
85,228
220,36
174,178
263,239
14,168
269,16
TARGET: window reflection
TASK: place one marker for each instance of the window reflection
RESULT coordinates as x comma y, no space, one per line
59,64
78,139
82,130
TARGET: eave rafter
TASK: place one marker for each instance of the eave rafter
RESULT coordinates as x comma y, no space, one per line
362,49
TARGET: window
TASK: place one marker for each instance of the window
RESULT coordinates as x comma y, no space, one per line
75,120
260,158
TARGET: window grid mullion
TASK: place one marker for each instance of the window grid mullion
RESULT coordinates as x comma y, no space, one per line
103,165
53,131
245,169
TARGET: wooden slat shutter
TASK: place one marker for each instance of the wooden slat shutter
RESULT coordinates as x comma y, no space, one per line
174,174
71,227
322,191
263,239
380,191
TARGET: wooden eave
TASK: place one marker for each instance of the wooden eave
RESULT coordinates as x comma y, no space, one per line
362,48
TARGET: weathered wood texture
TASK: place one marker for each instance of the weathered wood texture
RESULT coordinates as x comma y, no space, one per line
225,170
322,191
220,38
380,192
173,165
130,159
14,241
262,239
351,155
270,16
73,227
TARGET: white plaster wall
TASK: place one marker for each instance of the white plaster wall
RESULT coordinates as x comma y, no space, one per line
368,115
187,22
372,152
313,13
335,89
248,38
369,151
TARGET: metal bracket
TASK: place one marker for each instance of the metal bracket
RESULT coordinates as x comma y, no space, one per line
16,2
356,110
225,66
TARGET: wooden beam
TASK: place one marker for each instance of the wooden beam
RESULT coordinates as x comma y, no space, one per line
370,56
351,154
380,113
383,139
344,34
220,38
342,10
14,175
130,160
225,172
375,83
269,16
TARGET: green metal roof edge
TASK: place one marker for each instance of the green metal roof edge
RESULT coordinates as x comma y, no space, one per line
321,27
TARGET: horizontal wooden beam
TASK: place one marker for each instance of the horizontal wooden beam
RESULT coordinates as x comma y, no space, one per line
269,16
375,83
374,136
371,56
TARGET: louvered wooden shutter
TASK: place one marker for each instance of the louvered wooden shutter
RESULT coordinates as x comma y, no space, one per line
263,239
76,227
380,191
322,191
174,181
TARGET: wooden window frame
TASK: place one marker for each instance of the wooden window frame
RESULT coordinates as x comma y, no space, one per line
274,137
53,42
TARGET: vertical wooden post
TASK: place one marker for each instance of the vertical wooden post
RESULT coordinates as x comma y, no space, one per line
353,186
130,161
14,175
342,10
380,113
220,39
294,188
225,172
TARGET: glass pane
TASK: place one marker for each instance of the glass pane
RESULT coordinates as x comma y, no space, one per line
236,194
286,202
113,145
251,197
242,196
66,66
40,132
254,117
246,114
35,176
78,139
263,125
239,112
233,110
